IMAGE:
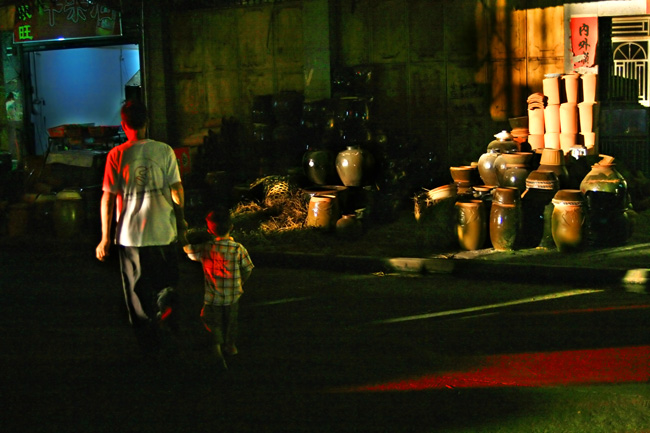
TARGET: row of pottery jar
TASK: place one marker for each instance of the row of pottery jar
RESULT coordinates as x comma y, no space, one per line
507,216
354,166
324,212
504,143
502,155
595,214
497,221
64,212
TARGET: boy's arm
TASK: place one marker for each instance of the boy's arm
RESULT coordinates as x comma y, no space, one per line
192,251
178,197
246,265
106,212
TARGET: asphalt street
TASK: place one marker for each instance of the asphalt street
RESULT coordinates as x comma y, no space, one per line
322,351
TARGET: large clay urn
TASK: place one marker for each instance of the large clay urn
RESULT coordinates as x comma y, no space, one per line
487,168
605,192
505,219
504,143
541,187
323,212
354,165
318,165
568,219
554,160
518,166
604,186
471,224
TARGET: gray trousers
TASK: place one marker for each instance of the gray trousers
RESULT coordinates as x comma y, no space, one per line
149,275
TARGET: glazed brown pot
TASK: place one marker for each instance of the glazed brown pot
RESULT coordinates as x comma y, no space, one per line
323,212
568,219
471,224
505,219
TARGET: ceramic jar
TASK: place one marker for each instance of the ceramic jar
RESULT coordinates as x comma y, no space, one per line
318,165
342,194
504,143
604,187
464,177
553,160
567,220
323,212
484,193
515,176
541,187
471,224
354,165
521,159
487,168
68,214
605,192
505,219
349,226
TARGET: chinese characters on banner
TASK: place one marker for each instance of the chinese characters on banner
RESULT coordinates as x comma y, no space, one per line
584,39
38,20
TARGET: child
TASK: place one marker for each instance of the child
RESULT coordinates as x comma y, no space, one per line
226,266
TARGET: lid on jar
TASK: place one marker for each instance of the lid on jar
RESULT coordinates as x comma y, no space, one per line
571,197
606,160
503,143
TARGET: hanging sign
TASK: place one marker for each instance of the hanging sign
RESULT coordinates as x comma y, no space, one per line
51,20
584,39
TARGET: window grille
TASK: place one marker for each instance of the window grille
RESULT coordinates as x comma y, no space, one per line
630,48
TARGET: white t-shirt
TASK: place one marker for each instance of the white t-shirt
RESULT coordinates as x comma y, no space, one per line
140,173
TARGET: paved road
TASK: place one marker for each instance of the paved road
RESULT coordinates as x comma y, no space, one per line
323,352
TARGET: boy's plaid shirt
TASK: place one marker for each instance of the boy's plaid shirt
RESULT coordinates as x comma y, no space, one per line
226,264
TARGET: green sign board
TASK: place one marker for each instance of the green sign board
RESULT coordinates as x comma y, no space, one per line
51,20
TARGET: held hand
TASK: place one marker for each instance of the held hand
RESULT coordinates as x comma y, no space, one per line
182,232
103,250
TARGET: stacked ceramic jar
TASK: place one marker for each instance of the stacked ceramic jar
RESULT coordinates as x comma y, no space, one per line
536,122
561,112
588,113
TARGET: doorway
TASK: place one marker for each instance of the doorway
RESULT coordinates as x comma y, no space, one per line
78,86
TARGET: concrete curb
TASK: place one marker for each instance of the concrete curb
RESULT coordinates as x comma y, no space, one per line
471,268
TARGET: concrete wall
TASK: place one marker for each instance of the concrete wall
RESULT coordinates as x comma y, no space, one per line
222,58
448,72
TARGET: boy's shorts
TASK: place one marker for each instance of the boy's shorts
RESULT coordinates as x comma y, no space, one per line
221,322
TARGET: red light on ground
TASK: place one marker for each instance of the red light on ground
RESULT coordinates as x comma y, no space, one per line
573,367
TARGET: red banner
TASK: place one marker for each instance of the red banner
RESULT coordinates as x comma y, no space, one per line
38,20
584,39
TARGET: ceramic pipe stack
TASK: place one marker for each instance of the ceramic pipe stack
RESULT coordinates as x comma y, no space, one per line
569,112
551,88
536,122
588,113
